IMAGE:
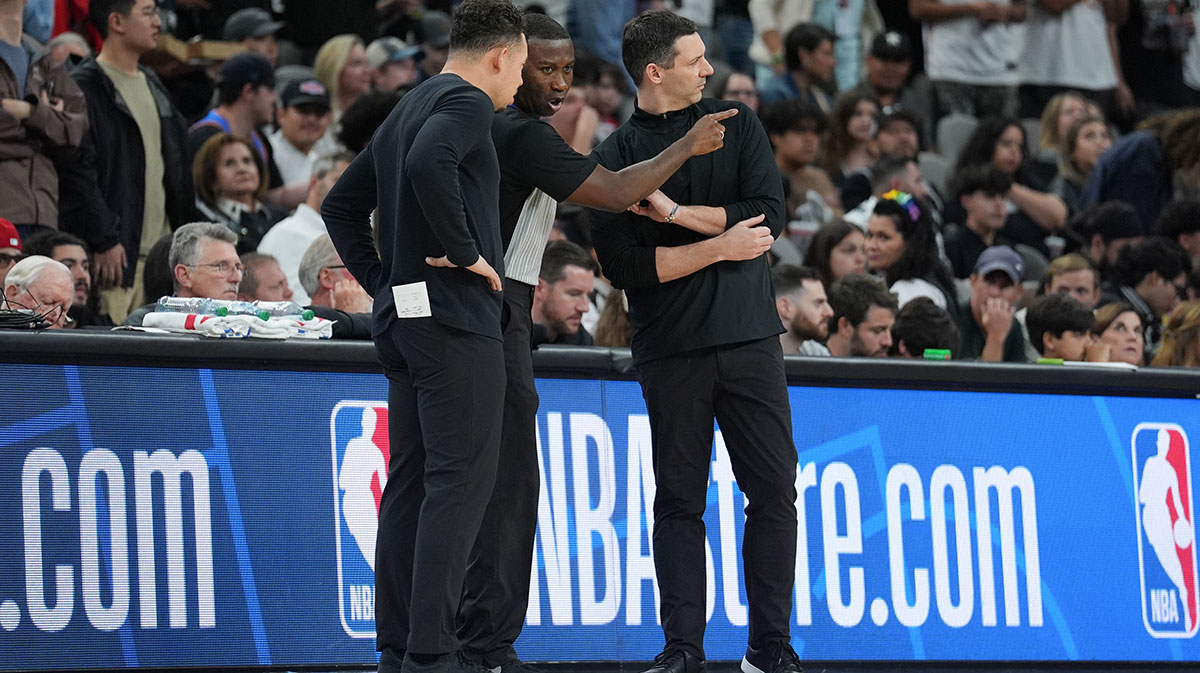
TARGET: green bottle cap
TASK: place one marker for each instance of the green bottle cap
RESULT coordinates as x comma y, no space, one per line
222,311
263,315
1049,361
937,354
308,314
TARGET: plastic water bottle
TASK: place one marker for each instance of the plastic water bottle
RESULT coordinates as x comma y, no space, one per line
197,305
281,309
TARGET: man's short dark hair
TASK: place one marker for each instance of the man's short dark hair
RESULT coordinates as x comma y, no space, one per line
253,261
792,114
1180,217
921,325
541,27
854,295
650,38
787,278
984,178
806,36
100,10
887,167
364,116
1152,254
560,254
481,25
45,243
1055,314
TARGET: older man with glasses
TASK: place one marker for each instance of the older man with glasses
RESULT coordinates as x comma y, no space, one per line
205,263
41,287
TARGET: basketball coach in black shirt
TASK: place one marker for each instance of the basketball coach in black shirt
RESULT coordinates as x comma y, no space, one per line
705,341
432,169
537,170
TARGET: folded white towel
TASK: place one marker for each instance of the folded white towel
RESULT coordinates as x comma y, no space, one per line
228,327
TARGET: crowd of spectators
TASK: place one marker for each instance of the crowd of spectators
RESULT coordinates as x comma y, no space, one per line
1007,180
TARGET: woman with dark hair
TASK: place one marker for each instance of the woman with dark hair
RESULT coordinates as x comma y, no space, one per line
1141,168
738,86
848,146
1120,326
1080,151
902,247
810,62
1033,214
837,250
230,181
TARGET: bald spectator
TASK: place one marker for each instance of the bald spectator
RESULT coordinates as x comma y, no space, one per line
262,279
288,240
255,30
130,182
42,119
204,262
41,286
10,247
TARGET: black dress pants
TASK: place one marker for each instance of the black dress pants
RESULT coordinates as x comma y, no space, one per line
445,394
744,388
497,586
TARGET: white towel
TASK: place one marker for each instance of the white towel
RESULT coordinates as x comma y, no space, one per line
227,327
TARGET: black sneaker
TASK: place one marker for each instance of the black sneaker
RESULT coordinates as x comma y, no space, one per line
776,657
516,666
677,661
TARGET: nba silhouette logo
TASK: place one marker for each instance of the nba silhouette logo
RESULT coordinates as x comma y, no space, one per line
359,432
1162,478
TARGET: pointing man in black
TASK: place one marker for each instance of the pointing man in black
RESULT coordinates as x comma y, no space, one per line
436,324
538,169
705,341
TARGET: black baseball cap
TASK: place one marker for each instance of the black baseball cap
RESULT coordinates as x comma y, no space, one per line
246,68
305,92
891,46
250,22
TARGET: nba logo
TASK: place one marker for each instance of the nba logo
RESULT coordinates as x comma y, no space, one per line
1162,477
359,432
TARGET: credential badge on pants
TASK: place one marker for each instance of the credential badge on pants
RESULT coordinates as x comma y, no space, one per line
359,432
1162,479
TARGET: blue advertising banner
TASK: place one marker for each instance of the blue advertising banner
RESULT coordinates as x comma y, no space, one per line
196,517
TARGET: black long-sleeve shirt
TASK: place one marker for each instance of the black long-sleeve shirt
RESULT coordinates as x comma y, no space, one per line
432,169
723,303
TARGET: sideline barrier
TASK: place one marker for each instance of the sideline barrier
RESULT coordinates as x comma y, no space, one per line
174,502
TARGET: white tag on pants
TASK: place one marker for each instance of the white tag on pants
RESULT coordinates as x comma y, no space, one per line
412,300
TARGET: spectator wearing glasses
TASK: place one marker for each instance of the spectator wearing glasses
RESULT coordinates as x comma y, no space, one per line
42,286
326,282
204,262
10,247
1151,276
